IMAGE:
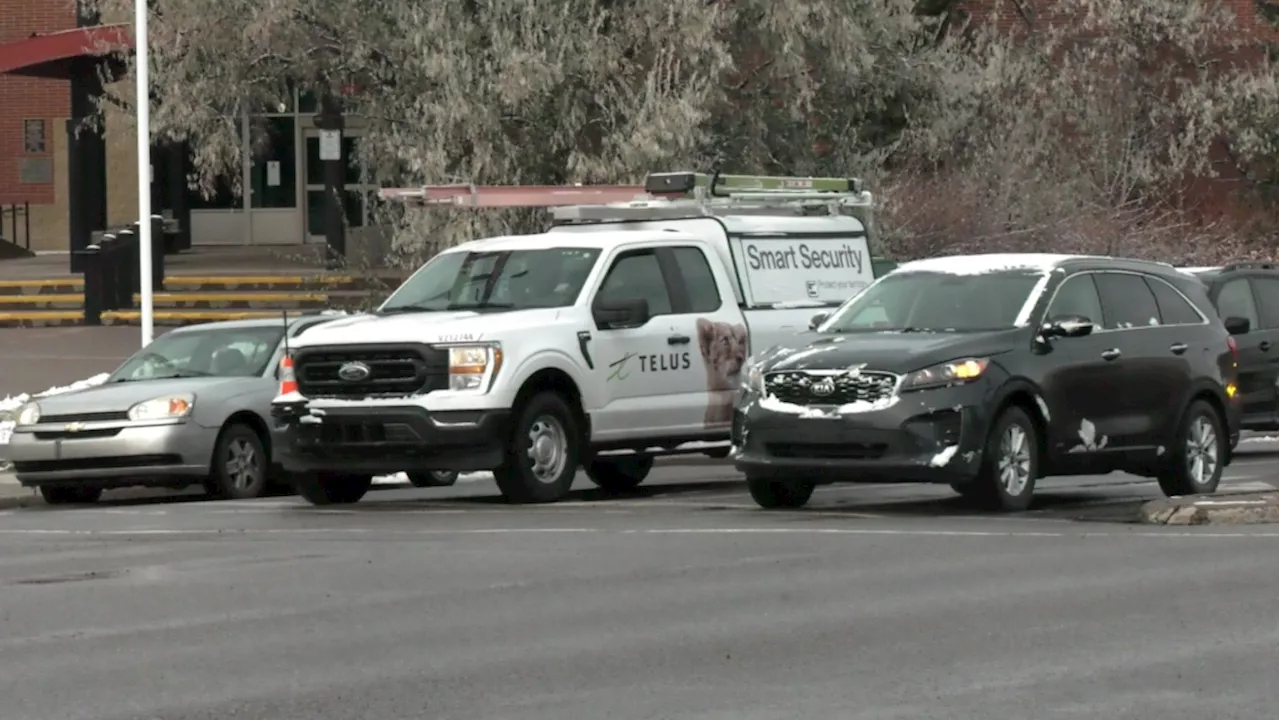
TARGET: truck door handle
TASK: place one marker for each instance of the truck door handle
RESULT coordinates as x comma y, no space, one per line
1111,354
678,340
1265,346
1178,348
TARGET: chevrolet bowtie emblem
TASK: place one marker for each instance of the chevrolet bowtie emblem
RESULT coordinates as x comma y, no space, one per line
74,427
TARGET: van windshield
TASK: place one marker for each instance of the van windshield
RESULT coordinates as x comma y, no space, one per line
937,302
498,280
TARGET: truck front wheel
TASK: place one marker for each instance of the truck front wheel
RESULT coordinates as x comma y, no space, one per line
543,453
619,475
331,489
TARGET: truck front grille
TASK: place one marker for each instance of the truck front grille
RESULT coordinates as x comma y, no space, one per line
799,387
392,371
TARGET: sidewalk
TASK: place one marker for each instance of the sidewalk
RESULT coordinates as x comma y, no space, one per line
1244,509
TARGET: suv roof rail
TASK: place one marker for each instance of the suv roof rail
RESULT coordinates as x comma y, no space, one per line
663,195
1250,265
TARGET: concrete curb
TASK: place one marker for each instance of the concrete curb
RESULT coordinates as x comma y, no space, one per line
1248,509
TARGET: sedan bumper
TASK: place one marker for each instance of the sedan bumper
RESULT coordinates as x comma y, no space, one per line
382,439
114,454
926,436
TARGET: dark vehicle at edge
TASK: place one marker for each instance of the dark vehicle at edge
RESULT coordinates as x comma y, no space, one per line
990,371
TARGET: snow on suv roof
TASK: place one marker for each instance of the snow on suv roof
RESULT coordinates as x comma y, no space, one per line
981,264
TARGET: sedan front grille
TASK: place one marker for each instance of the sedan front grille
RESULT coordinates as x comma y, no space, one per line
392,371
799,387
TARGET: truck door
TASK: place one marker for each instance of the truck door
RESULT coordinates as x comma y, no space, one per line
645,371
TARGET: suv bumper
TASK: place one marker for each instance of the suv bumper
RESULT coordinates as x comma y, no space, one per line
901,443
386,439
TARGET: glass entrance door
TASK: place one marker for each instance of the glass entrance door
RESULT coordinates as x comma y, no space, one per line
359,193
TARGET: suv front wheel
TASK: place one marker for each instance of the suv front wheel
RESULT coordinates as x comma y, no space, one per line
1010,464
1195,461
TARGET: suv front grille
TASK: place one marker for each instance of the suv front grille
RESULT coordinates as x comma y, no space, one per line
802,388
393,371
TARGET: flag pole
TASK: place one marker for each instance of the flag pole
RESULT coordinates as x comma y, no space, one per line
143,99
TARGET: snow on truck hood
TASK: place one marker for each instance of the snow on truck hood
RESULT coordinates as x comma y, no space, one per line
427,327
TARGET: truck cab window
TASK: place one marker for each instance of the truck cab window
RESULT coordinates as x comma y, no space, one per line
1235,299
637,277
699,282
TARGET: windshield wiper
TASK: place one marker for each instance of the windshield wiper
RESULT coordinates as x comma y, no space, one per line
406,309
483,305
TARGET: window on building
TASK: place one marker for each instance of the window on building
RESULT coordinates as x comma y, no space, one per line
273,173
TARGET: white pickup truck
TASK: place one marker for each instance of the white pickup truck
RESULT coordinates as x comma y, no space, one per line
616,336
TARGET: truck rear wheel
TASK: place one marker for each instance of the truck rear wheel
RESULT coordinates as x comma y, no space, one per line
619,474
331,489
543,452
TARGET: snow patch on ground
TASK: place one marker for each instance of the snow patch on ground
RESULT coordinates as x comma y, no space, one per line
402,479
16,401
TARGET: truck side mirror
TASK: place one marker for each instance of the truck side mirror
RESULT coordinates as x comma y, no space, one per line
817,320
620,314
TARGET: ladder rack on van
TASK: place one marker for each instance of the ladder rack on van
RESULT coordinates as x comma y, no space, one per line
663,196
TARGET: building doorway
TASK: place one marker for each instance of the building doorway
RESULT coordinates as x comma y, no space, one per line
359,192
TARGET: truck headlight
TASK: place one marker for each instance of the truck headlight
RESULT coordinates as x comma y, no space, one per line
169,406
28,415
948,373
471,367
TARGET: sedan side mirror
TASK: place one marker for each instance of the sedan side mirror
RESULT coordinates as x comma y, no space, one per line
817,320
1236,325
1067,326
620,314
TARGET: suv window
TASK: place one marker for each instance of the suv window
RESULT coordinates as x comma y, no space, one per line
1267,290
1235,299
1127,302
1174,309
704,296
637,276
1077,295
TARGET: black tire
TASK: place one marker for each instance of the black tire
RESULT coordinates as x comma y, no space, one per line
773,494
331,489
1178,476
548,415
70,495
433,478
240,468
619,475
992,489
718,453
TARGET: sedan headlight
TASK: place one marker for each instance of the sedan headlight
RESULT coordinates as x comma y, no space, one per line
28,415
948,373
471,367
169,406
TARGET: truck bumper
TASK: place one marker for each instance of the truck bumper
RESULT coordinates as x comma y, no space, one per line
386,439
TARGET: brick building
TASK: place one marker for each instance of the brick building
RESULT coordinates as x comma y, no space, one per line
48,56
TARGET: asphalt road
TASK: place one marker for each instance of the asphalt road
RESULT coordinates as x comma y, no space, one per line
685,602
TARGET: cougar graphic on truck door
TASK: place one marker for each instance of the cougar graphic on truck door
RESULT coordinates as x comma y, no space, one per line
724,351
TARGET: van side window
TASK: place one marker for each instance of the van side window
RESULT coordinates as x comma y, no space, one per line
1174,309
1127,302
1235,299
699,282
1077,296
637,276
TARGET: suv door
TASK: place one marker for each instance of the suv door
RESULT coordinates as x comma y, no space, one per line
1266,290
643,377
1234,297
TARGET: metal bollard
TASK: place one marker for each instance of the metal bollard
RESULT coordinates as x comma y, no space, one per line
128,254
90,261
109,254
157,253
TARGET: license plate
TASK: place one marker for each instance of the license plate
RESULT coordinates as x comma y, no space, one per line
6,431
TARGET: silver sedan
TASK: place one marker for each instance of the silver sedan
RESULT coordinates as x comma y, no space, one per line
191,408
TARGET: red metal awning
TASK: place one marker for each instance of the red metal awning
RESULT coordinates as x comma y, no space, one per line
24,55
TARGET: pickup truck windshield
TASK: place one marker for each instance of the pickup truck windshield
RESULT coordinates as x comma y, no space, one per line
498,280
936,302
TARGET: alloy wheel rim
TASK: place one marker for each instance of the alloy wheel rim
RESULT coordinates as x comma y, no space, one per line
242,464
1202,451
1014,465
548,449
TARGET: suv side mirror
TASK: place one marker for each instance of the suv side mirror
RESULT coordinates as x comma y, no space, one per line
1067,326
620,314
817,320
1236,325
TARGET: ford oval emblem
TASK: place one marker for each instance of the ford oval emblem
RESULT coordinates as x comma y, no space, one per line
823,387
354,372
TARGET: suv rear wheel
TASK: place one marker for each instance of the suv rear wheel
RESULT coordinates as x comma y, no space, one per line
1010,464
1195,462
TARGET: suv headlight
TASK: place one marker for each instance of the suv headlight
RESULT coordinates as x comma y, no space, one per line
472,367
29,414
948,373
169,406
